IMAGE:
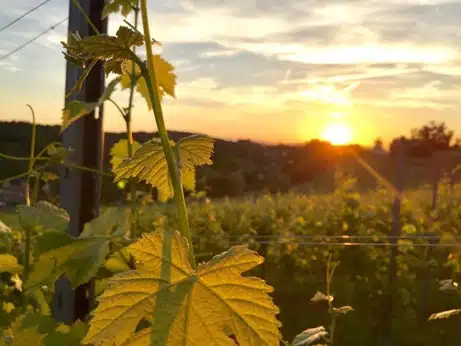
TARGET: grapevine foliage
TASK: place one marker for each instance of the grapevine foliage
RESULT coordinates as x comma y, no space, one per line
187,307
149,164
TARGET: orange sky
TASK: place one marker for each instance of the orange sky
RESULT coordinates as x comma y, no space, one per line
267,71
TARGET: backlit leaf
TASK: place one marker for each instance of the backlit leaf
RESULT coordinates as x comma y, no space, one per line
164,74
113,6
9,264
343,310
119,152
309,336
445,314
118,47
194,307
149,164
321,297
76,109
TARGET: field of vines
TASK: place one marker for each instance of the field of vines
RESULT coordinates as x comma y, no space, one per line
345,268
299,234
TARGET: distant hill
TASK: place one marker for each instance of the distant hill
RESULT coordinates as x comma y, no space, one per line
239,166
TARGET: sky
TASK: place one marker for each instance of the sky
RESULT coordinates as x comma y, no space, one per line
267,70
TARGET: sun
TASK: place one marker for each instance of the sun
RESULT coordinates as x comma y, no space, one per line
337,133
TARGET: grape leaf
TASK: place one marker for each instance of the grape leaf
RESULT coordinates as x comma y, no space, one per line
343,310
119,152
48,176
194,307
113,6
85,52
309,336
149,164
36,329
166,79
445,314
9,264
45,215
321,297
76,109
78,258
113,221
118,47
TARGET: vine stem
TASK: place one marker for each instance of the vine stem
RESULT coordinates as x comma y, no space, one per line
129,131
171,160
27,228
32,154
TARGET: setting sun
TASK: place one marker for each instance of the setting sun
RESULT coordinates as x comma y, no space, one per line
337,134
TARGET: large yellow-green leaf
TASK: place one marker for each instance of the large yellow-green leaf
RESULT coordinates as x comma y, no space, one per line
164,74
45,215
76,109
119,152
193,307
149,164
113,6
9,264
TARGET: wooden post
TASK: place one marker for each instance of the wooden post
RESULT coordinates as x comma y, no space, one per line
395,234
80,190
436,166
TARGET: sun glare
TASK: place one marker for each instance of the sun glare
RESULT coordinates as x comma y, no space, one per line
337,134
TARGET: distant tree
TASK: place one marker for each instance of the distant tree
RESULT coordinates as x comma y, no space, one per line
426,140
378,146
431,138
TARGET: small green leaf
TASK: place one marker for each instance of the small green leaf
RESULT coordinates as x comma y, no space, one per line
9,264
116,47
321,297
343,310
48,176
309,336
445,314
119,152
113,6
149,164
45,215
75,109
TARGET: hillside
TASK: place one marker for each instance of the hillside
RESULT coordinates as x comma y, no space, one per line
239,167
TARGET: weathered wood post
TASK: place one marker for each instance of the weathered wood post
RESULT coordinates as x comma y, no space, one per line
81,190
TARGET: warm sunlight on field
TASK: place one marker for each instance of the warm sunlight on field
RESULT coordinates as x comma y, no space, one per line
337,133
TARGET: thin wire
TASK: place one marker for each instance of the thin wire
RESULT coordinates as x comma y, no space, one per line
7,55
23,15
403,237
377,244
